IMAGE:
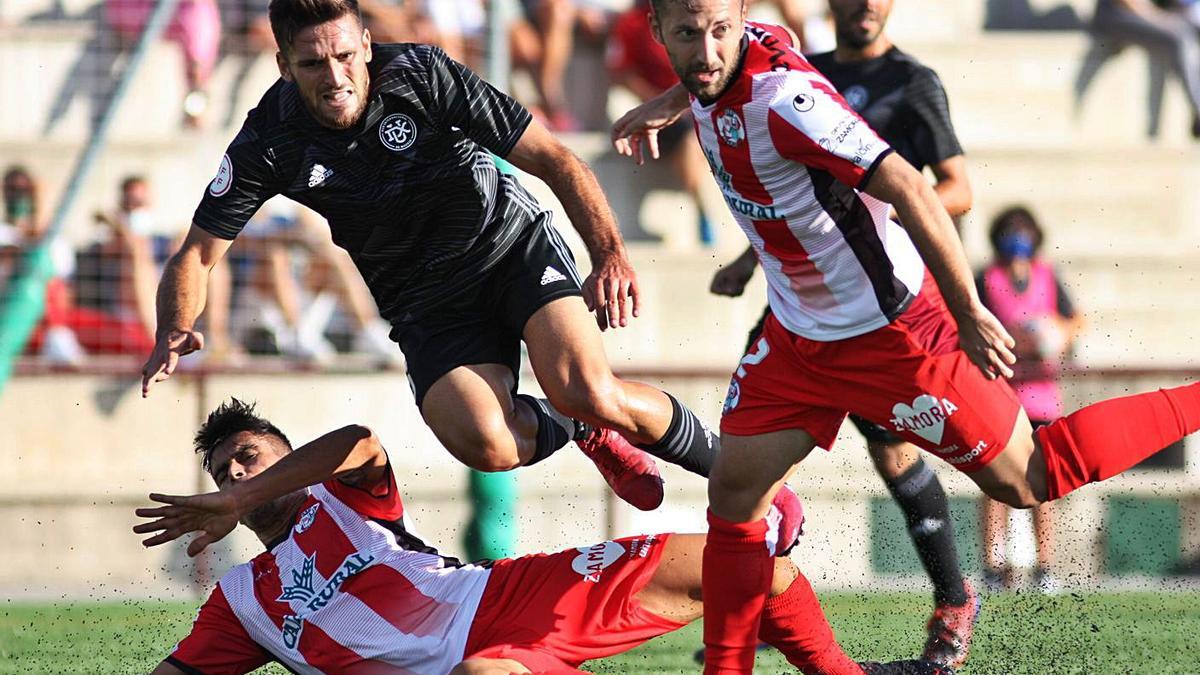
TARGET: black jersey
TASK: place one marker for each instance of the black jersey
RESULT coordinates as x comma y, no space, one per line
901,99
411,192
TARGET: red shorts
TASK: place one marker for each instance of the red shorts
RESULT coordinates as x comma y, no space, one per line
555,611
908,376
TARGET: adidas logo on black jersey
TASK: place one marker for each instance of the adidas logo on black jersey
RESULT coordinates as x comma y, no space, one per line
552,275
318,175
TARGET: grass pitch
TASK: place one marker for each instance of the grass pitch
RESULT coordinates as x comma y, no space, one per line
1071,633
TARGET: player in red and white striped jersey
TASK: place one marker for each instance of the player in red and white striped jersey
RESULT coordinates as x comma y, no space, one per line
344,588
857,323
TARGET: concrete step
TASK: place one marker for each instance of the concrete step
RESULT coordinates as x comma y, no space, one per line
1016,90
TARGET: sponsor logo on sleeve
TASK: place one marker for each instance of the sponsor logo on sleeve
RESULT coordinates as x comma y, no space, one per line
223,180
398,132
592,560
803,102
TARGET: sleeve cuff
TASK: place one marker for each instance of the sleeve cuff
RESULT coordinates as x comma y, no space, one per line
518,131
866,177
183,666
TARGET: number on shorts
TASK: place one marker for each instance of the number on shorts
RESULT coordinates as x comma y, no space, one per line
754,357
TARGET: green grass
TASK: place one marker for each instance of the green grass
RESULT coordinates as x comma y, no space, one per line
1091,633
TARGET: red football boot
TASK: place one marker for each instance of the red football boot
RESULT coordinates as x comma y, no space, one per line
950,629
630,472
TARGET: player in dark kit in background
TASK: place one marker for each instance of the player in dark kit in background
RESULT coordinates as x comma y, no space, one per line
905,103
390,143
868,315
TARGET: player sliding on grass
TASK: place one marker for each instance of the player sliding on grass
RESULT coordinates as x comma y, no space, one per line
857,323
393,145
343,587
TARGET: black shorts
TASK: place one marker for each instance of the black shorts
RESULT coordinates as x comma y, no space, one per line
484,323
874,433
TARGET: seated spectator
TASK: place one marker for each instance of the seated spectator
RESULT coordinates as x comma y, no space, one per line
1026,295
543,38
286,305
639,63
196,26
461,28
1167,36
22,228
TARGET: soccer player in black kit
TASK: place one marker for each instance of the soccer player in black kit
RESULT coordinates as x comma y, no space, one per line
393,145
905,103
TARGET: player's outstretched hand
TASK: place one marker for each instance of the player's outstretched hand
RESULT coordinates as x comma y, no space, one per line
637,131
213,515
731,279
611,291
165,357
987,343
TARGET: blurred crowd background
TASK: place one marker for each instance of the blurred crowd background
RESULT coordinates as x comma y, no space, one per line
1078,118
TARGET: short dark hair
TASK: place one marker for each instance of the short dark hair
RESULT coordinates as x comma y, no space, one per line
1012,218
289,17
131,180
228,419
660,5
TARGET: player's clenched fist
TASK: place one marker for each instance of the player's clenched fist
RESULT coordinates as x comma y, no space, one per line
165,358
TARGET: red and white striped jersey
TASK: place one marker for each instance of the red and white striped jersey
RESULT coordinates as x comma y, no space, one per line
791,157
349,590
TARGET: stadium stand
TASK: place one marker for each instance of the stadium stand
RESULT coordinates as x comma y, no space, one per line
1125,233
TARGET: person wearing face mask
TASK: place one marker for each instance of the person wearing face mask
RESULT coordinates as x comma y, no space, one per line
1025,293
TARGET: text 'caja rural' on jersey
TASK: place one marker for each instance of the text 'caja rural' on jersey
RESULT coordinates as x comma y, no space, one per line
411,191
348,590
791,159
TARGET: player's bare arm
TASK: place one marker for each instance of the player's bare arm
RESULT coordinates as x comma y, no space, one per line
952,186
165,668
352,454
611,290
982,337
636,133
731,279
181,296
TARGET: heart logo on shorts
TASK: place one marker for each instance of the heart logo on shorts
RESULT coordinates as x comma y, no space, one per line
926,417
592,560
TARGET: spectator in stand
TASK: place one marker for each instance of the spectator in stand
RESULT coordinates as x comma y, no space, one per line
461,28
639,63
1026,295
196,26
1164,34
22,227
794,15
295,307
542,40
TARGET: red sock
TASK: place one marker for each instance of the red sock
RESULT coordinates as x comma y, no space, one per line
1106,438
794,624
736,580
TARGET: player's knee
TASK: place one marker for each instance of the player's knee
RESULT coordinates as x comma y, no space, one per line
785,575
596,401
485,445
1017,495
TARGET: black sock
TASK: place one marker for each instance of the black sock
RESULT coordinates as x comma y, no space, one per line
927,514
554,428
687,442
